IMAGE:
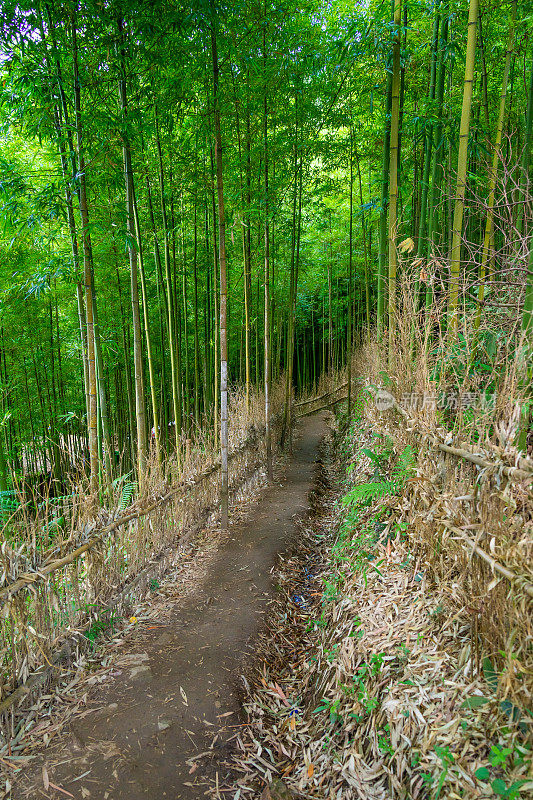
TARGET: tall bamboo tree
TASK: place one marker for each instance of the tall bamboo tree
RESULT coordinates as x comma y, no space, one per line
87,265
223,281
464,131
393,174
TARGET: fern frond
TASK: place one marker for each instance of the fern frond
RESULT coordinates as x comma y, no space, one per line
127,495
405,465
374,490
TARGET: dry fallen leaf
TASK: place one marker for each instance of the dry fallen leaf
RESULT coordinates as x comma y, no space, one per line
60,789
46,780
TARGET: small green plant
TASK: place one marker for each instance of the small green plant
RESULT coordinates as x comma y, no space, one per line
384,742
403,652
100,626
332,654
127,496
499,756
330,707
502,759
500,788
447,759
322,622
9,503
331,591
128,490
427,779
368,702
381,487
376,662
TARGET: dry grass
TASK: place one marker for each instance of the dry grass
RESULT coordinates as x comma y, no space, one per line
451,500
470,384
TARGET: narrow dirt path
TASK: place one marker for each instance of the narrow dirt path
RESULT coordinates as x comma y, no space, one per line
176,694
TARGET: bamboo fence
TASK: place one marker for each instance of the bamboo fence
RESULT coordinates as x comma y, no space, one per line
51,602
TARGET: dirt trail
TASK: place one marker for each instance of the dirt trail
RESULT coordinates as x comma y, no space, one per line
177,688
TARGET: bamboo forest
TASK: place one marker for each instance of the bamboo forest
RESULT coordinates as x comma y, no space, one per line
266,429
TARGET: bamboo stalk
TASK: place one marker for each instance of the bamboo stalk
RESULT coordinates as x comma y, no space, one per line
393,176
223,283
462,158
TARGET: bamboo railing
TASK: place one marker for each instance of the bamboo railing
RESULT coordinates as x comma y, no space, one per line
518,473
47,609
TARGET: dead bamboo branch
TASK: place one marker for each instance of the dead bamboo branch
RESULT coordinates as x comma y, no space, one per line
322,408
515,473
321,396
495,565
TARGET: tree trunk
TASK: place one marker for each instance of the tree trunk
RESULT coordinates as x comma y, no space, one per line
464,129
267,268
101,397
393,176
383,214
526,157
223,286
292,292
437,151
428,137
83,338
366,253
349,355
172,327
132,253
149,352
88,278
489,223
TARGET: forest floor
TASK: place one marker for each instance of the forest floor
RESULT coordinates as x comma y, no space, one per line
162,707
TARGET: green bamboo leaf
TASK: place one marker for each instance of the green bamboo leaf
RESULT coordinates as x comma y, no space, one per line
491,676
476,701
